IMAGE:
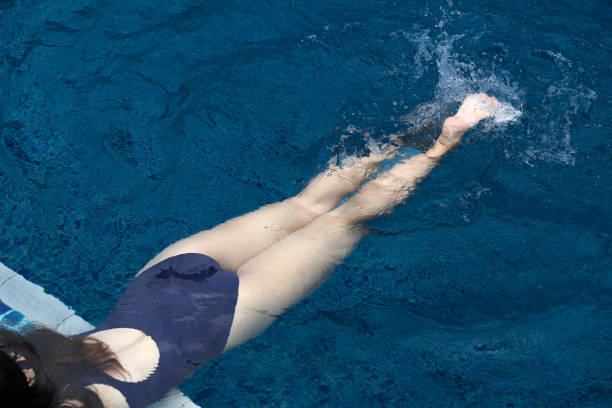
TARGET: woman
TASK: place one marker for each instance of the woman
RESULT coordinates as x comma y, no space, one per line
215,290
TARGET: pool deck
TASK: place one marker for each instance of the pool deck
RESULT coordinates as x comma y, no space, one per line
27,298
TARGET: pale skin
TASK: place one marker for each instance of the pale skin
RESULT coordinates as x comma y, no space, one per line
284,251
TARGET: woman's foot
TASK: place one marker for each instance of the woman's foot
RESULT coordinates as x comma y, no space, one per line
473,109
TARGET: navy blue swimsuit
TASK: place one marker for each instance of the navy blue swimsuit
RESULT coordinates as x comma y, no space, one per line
186,304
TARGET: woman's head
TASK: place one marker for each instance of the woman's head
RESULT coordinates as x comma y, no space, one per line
39,367
15,386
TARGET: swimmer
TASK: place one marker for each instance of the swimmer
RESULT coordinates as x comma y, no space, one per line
211,292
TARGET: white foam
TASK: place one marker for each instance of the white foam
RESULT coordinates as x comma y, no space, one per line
373,146
424,49
544,131
547,133
550,130
506,113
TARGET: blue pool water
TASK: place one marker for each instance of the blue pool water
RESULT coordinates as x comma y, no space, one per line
10,318
125,126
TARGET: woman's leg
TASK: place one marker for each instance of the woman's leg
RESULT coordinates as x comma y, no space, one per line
235,241
294,267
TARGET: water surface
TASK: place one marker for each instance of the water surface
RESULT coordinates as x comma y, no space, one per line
127,126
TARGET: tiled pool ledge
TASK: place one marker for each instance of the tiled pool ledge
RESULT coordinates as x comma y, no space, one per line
29,299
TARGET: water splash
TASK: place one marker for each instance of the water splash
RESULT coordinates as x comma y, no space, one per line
545,133
506,113
549,131
424,52
458,79
536,115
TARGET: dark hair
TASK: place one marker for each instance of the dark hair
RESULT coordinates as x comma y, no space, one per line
57,361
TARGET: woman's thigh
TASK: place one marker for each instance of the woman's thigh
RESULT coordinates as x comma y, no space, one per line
288,271
239,239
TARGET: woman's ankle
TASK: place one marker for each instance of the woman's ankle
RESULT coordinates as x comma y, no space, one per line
437,150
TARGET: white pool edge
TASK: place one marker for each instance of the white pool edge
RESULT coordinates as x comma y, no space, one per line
39,307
